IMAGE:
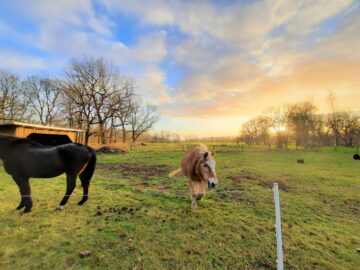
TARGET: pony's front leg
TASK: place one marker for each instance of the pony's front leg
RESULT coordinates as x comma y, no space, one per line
194,190
193,202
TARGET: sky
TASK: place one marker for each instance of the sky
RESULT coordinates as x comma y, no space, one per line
208,65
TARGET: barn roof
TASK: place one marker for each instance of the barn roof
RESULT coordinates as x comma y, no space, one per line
20,124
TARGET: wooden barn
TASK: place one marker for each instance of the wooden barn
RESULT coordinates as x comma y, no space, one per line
43,134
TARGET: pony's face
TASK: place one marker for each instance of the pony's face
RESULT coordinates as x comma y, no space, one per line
207,169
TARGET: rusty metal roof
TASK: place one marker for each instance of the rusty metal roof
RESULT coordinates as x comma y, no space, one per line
20,124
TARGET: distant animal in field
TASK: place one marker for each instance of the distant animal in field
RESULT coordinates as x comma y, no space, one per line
24,158
198,165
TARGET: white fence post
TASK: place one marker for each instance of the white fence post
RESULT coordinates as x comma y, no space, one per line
280,264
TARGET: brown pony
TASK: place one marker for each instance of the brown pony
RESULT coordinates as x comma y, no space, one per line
198,165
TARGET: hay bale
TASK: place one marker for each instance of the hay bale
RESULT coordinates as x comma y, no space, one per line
301,161
110,150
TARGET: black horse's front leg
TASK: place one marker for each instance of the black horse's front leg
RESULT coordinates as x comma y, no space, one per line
25,192
21,204
70,186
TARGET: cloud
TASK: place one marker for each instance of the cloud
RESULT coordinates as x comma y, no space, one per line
152,86
20,62
71,29
311,80
150,48
236,58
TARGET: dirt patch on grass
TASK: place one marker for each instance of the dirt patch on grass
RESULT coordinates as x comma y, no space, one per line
270,184
247,176
230,194
142,170
244,176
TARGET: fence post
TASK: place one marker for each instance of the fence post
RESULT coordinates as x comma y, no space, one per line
280,264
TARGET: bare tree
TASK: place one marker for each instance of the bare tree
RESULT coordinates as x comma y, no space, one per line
278,125
263,124
300,117
345,126
320,131
71,112
13,100
122,105
250,132
44,101
90,85
142,119
334,118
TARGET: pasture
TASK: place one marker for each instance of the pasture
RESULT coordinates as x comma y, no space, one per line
138,218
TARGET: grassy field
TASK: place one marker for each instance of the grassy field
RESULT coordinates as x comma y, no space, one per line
138,218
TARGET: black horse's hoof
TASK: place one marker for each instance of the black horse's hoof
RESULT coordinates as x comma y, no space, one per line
20,207
83,200
26,211
59,208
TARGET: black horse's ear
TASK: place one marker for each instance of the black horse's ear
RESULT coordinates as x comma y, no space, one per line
206,155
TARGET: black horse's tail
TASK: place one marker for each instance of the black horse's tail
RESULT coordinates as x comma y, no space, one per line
88,172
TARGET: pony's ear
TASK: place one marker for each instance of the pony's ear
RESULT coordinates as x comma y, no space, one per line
206,154
213,154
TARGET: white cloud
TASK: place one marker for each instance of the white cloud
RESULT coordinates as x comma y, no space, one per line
20,62
150,48
229,53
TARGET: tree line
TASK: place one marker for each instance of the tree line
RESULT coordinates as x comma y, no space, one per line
300,124
91,96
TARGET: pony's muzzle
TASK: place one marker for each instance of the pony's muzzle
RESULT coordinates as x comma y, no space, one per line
212,182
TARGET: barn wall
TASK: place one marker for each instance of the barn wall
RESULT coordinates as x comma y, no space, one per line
23,132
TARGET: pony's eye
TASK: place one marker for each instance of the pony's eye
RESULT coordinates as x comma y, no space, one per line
205,165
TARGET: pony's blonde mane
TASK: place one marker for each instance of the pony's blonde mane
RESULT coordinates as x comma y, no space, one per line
203,148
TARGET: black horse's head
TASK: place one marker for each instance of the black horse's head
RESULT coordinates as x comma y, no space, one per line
357,157
4,140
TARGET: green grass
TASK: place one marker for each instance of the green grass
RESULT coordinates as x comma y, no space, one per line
144,219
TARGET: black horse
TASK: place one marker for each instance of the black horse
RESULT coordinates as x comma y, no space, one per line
24,158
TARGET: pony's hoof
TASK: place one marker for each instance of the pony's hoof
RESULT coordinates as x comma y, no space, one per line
194,207
59,208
